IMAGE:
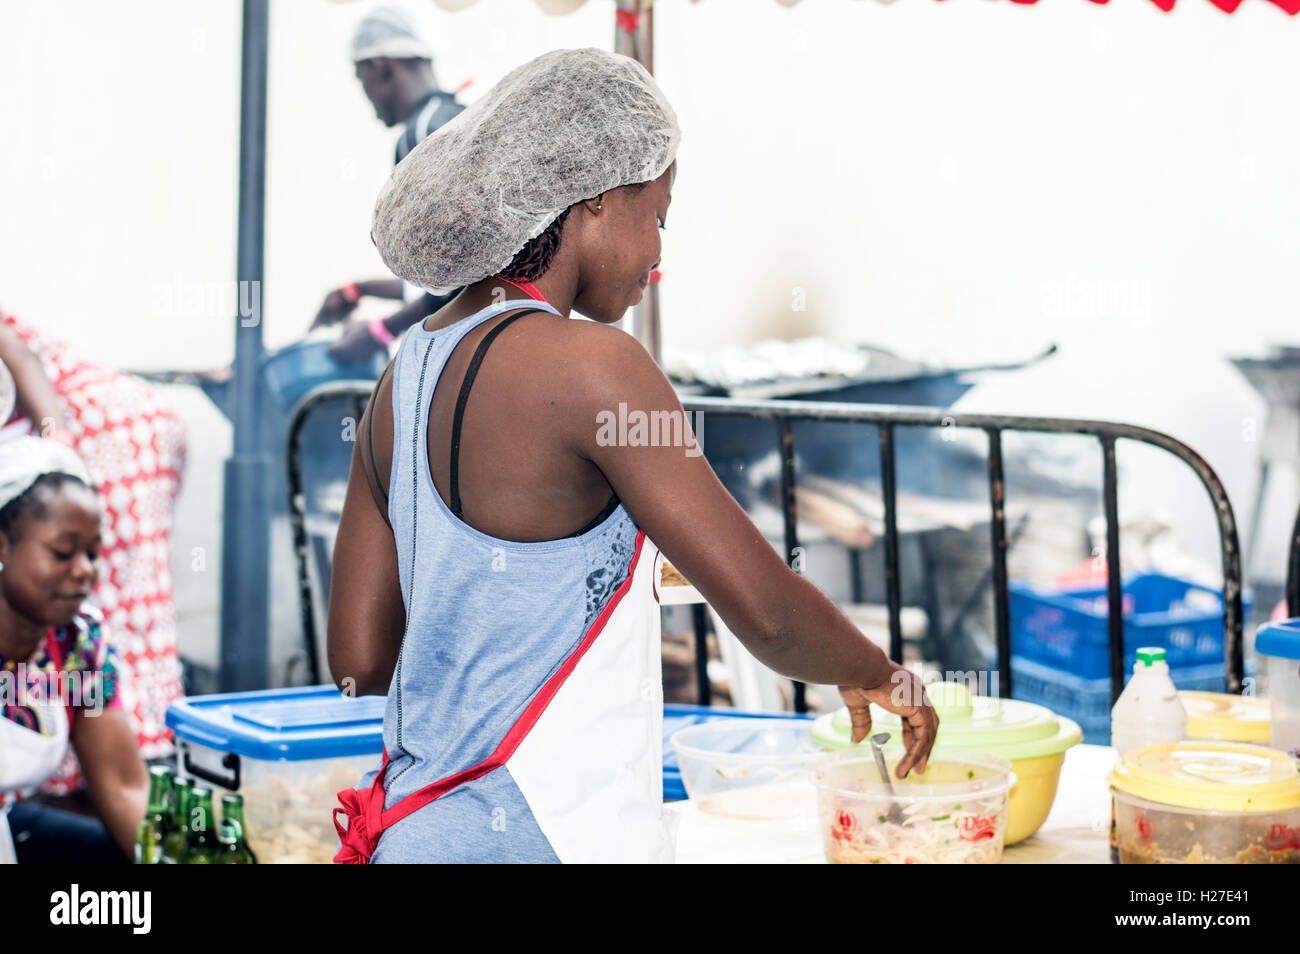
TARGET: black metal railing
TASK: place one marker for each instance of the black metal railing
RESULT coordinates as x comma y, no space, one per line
358,393
1293,573
887,420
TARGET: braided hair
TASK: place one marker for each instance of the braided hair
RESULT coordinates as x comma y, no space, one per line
532,261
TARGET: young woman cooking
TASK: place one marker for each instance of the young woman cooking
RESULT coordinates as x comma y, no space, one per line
493,571
58,674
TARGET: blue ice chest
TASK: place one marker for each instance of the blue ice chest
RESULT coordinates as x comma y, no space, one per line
1067,627
289,752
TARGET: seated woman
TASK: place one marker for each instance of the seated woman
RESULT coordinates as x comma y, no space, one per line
134,447
58,671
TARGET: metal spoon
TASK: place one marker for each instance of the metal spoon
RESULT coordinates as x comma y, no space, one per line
895,815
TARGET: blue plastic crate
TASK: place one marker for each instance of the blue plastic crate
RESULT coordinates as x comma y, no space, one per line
1087,700
679,717
1067,627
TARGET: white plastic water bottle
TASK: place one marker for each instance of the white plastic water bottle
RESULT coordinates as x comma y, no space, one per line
1148,712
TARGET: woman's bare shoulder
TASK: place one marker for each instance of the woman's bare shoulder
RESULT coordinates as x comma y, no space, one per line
590,349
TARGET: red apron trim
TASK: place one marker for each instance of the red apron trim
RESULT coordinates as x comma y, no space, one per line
364,808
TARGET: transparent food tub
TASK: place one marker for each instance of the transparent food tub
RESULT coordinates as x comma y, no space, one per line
1207,803
956,813
756,769
289,752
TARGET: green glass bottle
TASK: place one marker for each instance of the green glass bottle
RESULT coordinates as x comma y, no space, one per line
174,842
169,802
201,841
151,831
234,848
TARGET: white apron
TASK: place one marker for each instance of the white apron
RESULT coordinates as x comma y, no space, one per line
27,759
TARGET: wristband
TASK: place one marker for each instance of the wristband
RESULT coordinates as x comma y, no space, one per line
379,331
351,293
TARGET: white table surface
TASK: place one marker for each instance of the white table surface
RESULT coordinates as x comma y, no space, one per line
1076,831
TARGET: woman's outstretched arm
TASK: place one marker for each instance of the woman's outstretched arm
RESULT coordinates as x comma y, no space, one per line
786,622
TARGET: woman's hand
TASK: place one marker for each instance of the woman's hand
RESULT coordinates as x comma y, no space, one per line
334,309
904,695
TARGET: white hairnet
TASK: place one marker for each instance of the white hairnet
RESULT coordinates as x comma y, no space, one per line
388,32
24,459
565,127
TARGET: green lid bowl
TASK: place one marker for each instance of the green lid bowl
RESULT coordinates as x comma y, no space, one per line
1006,727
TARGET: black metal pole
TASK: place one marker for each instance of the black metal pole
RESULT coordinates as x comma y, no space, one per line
790,513
1114,584
246,524
998,527
1293,573
703,688
893,593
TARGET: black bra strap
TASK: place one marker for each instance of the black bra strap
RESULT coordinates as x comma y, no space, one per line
463,399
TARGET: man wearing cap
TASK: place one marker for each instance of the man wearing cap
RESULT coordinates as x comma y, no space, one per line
395,68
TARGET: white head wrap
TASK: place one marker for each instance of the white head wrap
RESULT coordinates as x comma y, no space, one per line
565,127
388,32
24,459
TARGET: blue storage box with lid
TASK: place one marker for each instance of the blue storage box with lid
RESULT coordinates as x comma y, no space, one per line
289,752
1067,627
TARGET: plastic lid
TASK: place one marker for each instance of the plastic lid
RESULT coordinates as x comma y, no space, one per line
1279,639
1150,655
282,725
1227,718
1006,727
1210,776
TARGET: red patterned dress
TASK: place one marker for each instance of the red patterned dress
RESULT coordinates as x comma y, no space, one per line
134,447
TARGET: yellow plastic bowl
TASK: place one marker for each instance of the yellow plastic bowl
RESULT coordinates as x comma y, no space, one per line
1031,799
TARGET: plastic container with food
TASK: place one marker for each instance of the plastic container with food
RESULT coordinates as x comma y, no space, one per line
1279,644
955,813
1207,803
1031,737
757,769
1222,717
289,752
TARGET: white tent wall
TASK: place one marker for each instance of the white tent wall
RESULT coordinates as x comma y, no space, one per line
959,181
